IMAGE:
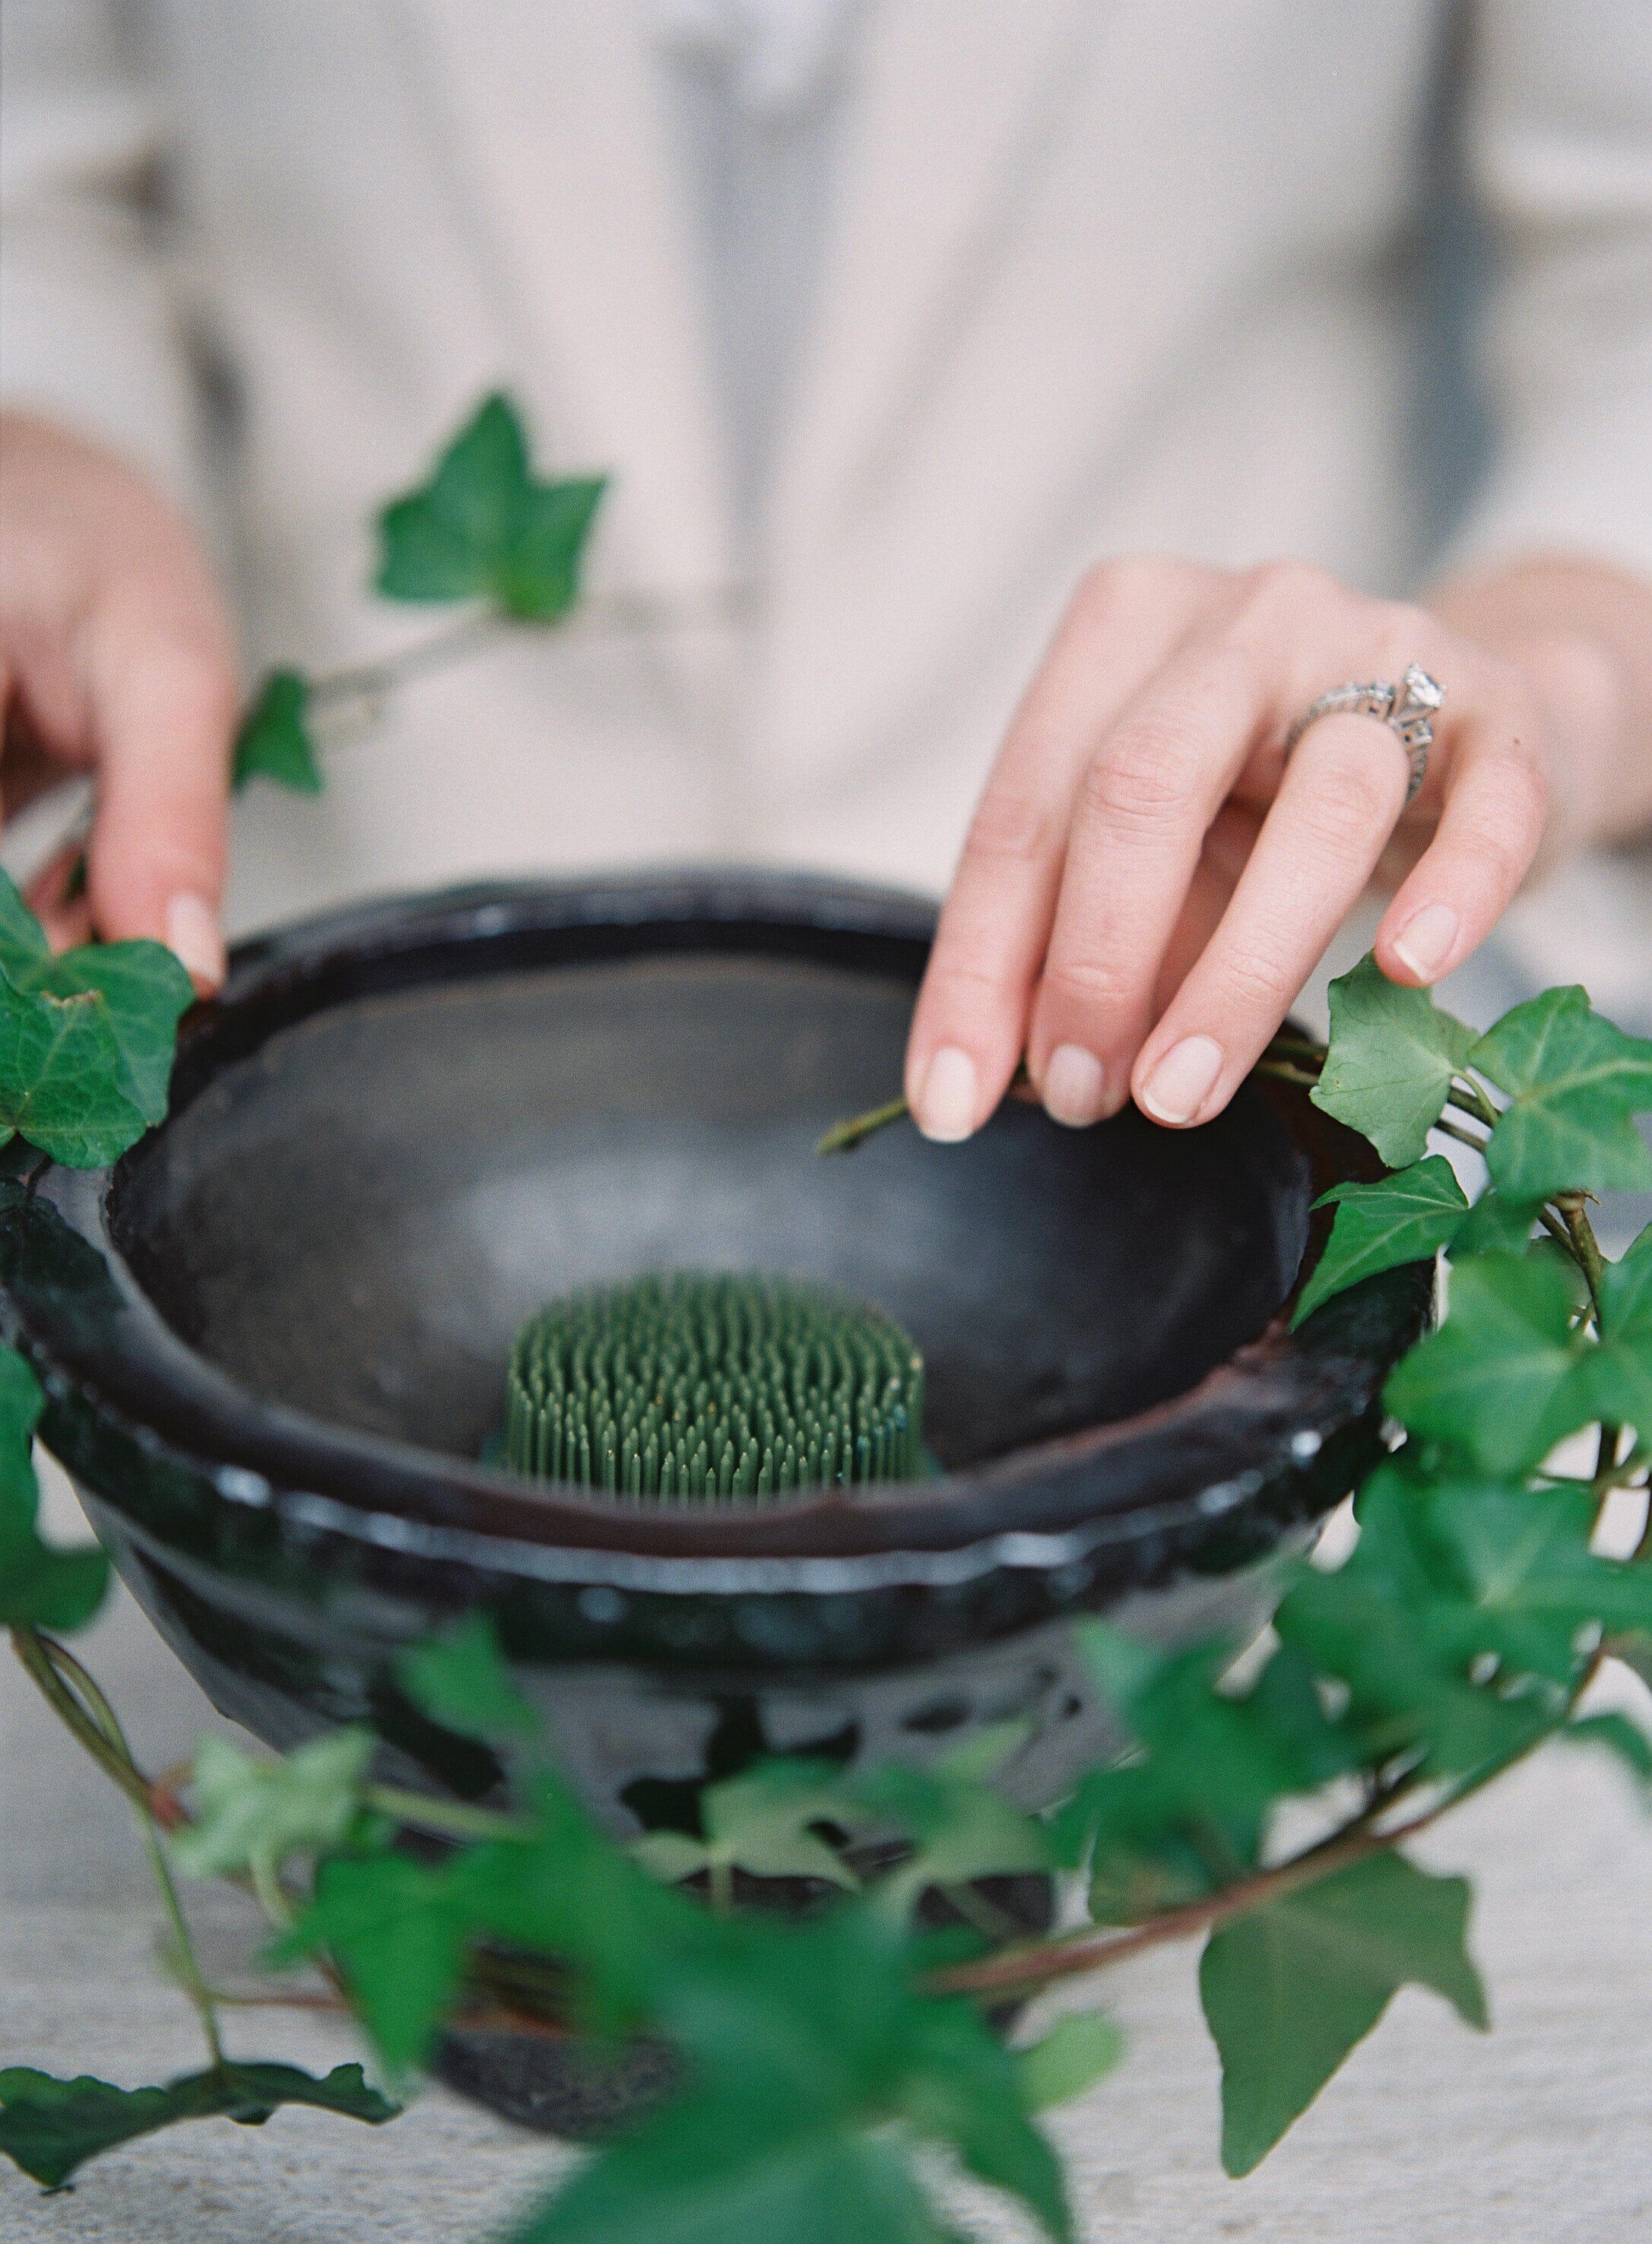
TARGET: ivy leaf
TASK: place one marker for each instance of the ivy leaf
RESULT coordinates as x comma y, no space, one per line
1385,1624
1403,1218
398,1930
275,741
1621,1737
1495,1226
705,2172
40,1586
1291,1988
1574,1082
50,2127
144,991
1216,1764
1077,2050
58,1066
760,1823
960,1830
800,2038
1528,1582
1617,1375
252,1812
483,529
1497,1382
23,940
60,1077
461,1681
1390,1061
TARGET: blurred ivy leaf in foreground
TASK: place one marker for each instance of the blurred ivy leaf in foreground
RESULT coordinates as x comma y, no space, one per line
1077,2051
1390,1060
275,741
1574,1082
40,1586
50,2127
462,1681
1289,1988
482,527
759,1822
251,1811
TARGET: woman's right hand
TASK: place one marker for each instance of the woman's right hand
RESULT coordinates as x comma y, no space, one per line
115,659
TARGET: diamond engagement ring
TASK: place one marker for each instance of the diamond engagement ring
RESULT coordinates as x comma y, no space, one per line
1407,710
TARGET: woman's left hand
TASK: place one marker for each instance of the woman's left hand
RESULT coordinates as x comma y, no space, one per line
1147,883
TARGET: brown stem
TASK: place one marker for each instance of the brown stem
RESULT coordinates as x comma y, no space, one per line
1038,1963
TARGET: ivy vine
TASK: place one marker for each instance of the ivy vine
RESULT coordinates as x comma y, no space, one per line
820,2048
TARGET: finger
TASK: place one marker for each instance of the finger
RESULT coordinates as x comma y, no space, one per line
1147,801
1340,796
1490,829
58,896
164,707
969,1028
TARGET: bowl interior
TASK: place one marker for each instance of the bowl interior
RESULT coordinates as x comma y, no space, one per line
355,1218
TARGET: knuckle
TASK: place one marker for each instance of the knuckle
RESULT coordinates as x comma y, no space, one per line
1011,827
1145,782
1255,978
1287,587
1087,981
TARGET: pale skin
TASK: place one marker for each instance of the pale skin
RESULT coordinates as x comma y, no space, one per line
1146,885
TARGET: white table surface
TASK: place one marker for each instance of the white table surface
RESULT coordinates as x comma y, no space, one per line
1538,2133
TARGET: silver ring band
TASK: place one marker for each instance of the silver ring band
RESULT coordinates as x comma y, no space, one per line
1407,709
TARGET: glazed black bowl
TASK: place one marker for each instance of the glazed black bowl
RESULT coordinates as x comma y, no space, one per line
273,1339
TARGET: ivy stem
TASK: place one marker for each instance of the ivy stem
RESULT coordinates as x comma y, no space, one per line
1039,1964
479,628
74,1695
454,1819
1586,1250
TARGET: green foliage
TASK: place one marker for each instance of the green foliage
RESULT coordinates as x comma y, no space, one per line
1192,1807
482,527
1574,1083
251,1812
1405,1218
274,741
86,1038
1392,1058
761,1822
40,1586
460,1680
1616,1377
50,2128
798,2040
1077,2050
1291,1987
1500,1381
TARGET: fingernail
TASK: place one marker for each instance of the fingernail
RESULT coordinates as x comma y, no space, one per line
1427,943
946,1106
1181,1082
1075,1088
193,937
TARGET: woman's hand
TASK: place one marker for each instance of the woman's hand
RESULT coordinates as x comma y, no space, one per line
1147,883
116,658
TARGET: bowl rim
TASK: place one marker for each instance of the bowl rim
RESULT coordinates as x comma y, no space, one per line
1263,1415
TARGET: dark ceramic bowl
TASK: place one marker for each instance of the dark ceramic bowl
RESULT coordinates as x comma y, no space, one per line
273,1341
273,1337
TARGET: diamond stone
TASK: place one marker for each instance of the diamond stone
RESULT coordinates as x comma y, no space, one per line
1418,692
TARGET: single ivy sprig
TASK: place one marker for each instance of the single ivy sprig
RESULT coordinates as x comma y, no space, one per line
482,529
